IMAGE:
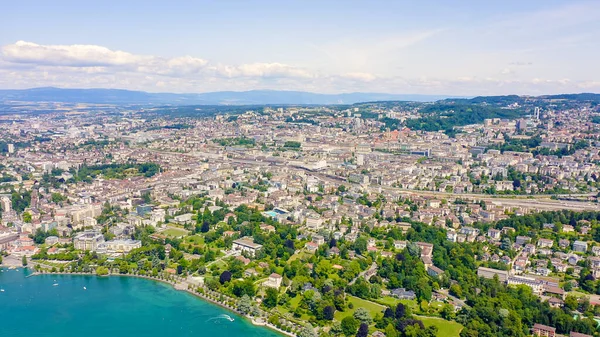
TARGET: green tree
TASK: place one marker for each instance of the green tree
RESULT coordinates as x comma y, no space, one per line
363,330
571,302
101,271
270,300
58,198
307,331
336,328
447,312
349,325
390,331
27,217
24,261
205,226
506,244
123,267
363,316
328,312
360,245
244,304
225,277
456,290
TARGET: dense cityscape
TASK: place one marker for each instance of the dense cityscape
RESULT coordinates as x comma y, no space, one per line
459,217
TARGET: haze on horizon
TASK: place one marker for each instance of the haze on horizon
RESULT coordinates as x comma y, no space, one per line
466,47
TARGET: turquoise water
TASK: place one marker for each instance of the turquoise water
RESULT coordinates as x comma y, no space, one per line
109,306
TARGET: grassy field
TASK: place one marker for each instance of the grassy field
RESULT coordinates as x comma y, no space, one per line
445,328
372,308
298,255
197,240
392,302
175,232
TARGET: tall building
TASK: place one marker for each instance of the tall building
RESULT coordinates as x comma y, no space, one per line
6,204
522,124
35,197
11,148
88,240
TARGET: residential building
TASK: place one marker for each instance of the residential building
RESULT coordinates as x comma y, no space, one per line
580,246
88,240
543,330
274,281
246,244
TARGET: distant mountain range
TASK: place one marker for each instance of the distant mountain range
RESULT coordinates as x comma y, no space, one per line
253,97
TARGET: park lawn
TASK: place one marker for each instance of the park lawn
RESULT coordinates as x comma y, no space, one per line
577,294
295,301
389,301
372,308
298,255
392,302
445,328
197,240
175,232
222,265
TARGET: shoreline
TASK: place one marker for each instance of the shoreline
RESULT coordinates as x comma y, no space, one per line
176,287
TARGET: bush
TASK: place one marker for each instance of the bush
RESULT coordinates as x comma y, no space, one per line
101,271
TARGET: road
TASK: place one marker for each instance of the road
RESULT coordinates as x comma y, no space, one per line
455,299
361,274
227,254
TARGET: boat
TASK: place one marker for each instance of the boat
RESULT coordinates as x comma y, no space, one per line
1,290
84,288
55,284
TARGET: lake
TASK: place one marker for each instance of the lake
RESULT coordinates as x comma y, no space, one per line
82,305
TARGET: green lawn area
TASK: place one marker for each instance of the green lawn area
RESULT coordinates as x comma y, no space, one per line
372,308
195,239
577,294
298,255
294,302
392,302
175,232
445,328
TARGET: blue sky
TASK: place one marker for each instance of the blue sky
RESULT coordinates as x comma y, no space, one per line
468,47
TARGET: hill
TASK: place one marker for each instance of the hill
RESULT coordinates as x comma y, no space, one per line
253,97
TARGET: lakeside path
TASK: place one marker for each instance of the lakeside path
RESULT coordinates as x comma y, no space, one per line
181,285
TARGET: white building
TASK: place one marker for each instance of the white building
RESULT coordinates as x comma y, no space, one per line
119,246
274,281
246,244
6,204
88,240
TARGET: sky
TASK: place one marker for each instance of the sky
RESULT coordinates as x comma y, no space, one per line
459,47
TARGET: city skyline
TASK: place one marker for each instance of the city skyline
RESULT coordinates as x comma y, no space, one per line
465,49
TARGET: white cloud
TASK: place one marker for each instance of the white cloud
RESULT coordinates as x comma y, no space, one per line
267,70
26,64
63,55
358,76
102,59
